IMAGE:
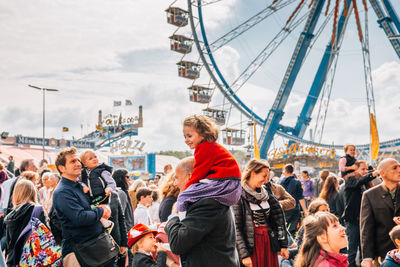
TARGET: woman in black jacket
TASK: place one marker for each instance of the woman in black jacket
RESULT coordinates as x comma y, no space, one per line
330,194
23,200
259,219
121,178
119,232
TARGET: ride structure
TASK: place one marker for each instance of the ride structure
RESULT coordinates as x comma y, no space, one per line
113,128
308,14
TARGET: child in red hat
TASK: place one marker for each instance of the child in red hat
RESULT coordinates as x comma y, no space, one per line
143,243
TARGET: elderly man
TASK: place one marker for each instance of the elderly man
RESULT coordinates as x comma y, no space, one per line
380,208
206,236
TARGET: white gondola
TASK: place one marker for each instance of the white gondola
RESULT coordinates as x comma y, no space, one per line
177,16
217,114
233,137
200,94
188,69
181,44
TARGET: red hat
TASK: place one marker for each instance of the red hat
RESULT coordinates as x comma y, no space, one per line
138,231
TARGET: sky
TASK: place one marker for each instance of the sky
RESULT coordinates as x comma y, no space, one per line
96,52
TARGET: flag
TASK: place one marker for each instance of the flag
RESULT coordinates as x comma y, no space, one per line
65,129
128,102
374,137
256,150
117,103
120,119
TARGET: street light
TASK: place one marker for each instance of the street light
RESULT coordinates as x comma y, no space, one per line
44,102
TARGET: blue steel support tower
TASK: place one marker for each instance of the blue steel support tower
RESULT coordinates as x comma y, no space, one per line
276,113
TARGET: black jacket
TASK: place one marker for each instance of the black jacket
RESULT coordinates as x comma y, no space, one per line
15,222
205,237
126,205
245,225
119,232
349,162
96,183
353,194
166,208
142,260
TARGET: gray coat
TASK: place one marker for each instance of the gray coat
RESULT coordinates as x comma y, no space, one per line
126,208
245,227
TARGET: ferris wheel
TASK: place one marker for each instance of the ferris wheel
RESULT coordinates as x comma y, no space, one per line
224,91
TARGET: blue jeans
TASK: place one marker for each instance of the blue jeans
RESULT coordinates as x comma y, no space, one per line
353,237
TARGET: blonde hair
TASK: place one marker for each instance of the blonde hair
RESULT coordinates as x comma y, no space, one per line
84,154
314,226
24,192
169,189
347,146
30,175
1,166
255,165
204,126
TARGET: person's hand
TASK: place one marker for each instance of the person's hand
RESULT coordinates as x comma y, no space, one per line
160,247
285,253
353,167
366,263
107,211
123,250
375,173
108,191
86,189
174,209
247,262
396,220
305,213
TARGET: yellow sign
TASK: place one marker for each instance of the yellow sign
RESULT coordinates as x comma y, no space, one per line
302,149
374,138
256,150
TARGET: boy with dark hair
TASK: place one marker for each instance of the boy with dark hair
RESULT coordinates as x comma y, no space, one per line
392,258
294,188
144,198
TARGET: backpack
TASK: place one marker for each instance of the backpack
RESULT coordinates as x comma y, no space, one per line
40,248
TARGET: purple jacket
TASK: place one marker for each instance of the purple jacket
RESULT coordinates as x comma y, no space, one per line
308,188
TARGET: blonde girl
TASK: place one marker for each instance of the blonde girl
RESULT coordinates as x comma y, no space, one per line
216,173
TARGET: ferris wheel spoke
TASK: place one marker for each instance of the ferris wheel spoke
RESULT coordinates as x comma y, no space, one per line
248,24
324,73
265,54
386,24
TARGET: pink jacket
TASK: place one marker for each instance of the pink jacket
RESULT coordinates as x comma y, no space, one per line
326,259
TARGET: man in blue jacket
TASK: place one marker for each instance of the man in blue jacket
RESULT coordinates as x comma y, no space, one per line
80,222
294,188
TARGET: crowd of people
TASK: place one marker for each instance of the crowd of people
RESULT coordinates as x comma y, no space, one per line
204,212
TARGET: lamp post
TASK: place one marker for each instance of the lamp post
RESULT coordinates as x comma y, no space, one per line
44,109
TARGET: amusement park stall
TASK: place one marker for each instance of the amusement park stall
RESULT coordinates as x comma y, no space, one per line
146,165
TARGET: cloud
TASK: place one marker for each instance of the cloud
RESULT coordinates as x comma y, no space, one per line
95,52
